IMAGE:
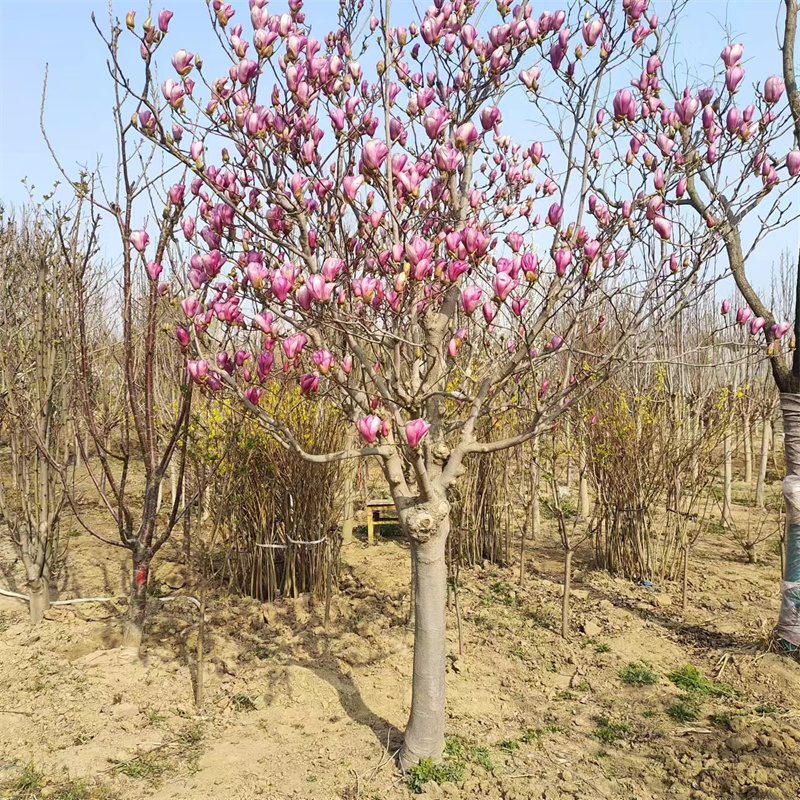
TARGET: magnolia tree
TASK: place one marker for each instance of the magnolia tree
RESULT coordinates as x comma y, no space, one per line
361,218
729,156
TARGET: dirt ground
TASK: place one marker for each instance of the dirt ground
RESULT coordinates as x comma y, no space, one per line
297,710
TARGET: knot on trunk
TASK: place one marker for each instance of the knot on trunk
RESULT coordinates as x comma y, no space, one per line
422,521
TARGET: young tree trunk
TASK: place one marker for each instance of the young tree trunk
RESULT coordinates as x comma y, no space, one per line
727,488
583,487
38,597
685,586
134,625
565,597
747,436
788,627
425,730
762,464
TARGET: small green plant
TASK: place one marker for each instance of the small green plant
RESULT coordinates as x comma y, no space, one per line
153,717
508,745
243,702
690,679
609,732
504,592
29,780
427,771
566,694
481,756
638,673
683,712
312,778
766,708
535,735
141,768
602,647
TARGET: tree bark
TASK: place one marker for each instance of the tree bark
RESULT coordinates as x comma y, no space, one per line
748,451
727,488
565,597
134,625
38,598
425,730
762,464
583,490
788,627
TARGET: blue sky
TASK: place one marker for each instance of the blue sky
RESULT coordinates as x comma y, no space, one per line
60,33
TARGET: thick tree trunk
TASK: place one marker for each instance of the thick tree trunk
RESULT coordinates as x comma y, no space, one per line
727,487
134,625
762,464
38,598
425,730
788,627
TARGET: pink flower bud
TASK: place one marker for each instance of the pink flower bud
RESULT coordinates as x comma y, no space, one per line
139,240
742,315
153,269
725,307
164,17
369,427
415,431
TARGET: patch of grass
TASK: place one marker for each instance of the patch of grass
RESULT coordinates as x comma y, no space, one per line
503,592
609,732
142,768
543,616
602,647
153,717
312,778
482,757
28,781
535,735
691,680
459,751
766,708
243,702
638,673
81,790
683,712
566,694
583,686
426,771
508,745
191,736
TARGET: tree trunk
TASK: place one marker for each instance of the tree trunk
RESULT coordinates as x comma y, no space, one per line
138,603
583,487
747,436
788,627
727,488
38,598
565,597
685,587
425,730
762,464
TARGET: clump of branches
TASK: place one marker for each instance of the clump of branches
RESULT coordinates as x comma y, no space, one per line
649,451
280,514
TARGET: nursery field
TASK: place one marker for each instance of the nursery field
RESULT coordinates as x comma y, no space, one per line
642,701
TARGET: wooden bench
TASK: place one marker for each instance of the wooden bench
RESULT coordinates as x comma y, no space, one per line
373,509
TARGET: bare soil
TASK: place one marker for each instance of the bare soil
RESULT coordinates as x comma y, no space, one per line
294,709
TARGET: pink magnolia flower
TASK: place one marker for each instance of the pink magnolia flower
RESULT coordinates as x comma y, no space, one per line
323,359
490,116
164,17
369,427
592,31
793,162
470,298
554,214
351,184
563,259
374,154
465,135
742,315
773,89
725,307
415,431
293,345
663,228
253,394
139,240
153,269
188,226
182,61
756,325
309,383
624,105
182,335
732,54
733,77
503,284
781,329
